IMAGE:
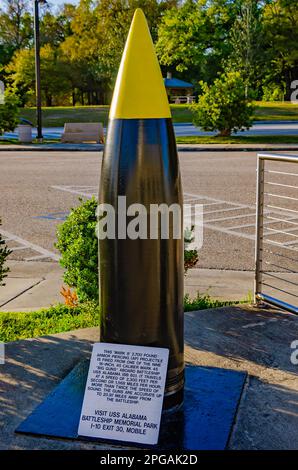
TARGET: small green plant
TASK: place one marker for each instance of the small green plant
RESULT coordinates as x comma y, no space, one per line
223,106
191,257
4,253
202,302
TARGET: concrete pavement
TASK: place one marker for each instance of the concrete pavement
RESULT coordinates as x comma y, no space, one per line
31,286
34,285
255,341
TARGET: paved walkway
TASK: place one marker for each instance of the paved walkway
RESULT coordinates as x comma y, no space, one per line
33,285
59,147
188,129
256,341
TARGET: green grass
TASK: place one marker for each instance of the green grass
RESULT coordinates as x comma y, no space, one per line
203,302
34,141
239,139
199,140
57,116
56,319
276,111
181,113
60,318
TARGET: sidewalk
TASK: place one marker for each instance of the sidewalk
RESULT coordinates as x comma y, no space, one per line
33,285
58,147
237,338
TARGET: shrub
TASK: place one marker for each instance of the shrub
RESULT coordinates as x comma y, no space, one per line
223,106
273,92
8,113
78,246
4,253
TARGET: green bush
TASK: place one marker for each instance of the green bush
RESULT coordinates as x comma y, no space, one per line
78,246
4,253
223,106
8,113
56,319
273,92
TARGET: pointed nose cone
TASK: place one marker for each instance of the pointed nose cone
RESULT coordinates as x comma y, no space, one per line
139,91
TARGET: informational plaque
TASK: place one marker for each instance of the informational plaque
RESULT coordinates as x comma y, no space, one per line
124,393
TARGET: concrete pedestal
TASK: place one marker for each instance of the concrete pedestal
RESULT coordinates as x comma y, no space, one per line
203,422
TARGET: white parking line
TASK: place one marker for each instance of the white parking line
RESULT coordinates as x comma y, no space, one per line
81,191
222,219
248,210
25,244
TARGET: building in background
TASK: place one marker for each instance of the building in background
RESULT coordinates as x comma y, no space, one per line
178,91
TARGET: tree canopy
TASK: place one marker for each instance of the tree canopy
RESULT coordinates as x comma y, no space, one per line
196,40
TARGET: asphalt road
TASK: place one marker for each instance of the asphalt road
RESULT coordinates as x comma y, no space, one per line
38,190
188,129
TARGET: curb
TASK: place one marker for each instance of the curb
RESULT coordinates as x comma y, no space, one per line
52,148
233,148
181,148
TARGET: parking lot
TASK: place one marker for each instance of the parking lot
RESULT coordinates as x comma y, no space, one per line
39,188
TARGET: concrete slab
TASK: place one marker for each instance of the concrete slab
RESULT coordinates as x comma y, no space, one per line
15,287
32,285
23,292
219,284
257,341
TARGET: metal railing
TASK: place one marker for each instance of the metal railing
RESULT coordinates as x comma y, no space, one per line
183,99
276,249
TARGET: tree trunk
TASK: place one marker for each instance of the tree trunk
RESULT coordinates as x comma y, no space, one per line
288,79
48,100
225,133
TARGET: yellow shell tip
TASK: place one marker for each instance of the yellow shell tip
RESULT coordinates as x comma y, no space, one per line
139,91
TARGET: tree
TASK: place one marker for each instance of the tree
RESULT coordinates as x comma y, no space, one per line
192,39
247,43
281,36
55,74
8,113
99,30
223,106
55,28
16,29
4,253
